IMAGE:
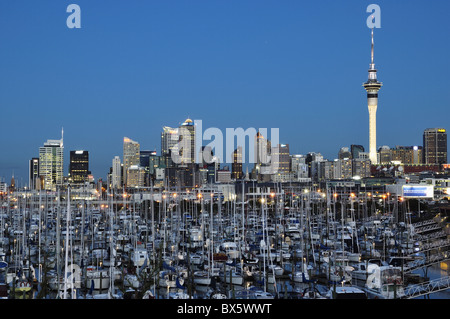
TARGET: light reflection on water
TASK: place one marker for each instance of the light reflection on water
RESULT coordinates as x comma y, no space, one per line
436,272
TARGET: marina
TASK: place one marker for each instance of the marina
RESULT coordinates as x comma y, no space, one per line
250,241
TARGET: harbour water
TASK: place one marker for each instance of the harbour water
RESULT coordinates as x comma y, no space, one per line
435,272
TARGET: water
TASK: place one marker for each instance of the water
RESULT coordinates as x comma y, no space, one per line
435,272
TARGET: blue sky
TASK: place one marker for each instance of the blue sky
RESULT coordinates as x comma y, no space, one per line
135,66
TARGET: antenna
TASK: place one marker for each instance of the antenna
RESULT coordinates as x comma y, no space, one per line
372,48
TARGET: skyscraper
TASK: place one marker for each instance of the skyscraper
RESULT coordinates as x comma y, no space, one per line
135,176
236,166
169,140
131,155
356,150
372,86
51,162
187,142
435,146
34,181
281,160
262,150
116,176
79,166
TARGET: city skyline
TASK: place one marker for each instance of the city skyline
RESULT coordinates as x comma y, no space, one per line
105,81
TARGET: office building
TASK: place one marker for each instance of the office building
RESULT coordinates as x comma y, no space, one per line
236,167
131,156
169,141
408,155
34,179
116,174
51,162
187,143
435,146
79,167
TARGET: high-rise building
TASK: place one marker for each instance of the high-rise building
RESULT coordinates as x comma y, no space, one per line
407,154
34,182
355,150
51,162
79,167
435,146
299,165
116,175
169,140
312,159
280,158
344,152
209,165
372,86
236,166
384,155
135,176
262,150
361,167
343,168
325,170
187,142
131,155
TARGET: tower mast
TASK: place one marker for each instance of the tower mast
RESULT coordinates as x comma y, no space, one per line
372,86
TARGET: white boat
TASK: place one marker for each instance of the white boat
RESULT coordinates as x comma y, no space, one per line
97,278
337,273
195,259
263,295
167,279
202,277
131,281
230,249
299,276
384,282
140,256
236,278
179,295
276,269
346,292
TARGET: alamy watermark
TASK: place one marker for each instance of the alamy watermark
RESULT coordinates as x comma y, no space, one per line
189,140
374,20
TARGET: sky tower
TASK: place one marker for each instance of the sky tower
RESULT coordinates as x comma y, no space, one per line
372,87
